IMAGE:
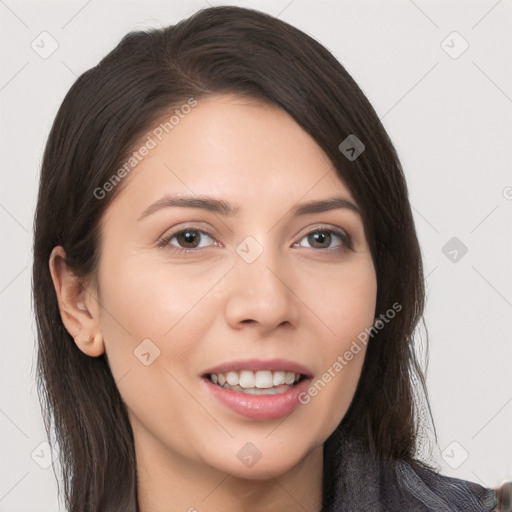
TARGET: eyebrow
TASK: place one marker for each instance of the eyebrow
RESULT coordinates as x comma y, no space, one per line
224,208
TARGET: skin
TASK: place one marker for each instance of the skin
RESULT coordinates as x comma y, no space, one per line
300,300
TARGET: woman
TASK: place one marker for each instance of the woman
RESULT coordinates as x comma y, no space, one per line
226,282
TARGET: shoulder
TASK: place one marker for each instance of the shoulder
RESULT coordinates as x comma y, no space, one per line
434,491
359,482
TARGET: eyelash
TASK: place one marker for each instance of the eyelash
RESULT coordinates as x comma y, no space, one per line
346,242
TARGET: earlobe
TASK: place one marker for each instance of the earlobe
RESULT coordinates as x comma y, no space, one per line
92,346
79,310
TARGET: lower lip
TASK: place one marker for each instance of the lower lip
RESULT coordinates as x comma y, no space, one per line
259,407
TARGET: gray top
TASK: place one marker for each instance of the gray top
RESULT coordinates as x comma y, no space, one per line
361,483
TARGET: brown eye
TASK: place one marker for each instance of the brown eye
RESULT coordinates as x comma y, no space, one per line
319,239
325,238
188,239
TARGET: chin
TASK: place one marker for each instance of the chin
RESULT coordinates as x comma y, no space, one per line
261,471
249,463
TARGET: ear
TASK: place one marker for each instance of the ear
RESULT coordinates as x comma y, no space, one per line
78,305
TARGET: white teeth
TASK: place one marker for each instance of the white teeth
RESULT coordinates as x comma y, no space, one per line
289,378
232,378
278,378
262,379
246,379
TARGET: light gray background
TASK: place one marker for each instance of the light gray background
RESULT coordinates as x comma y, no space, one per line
450,119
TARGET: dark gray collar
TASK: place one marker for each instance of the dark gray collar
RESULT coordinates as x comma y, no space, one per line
354,481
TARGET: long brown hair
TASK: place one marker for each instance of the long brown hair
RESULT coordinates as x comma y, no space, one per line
106,111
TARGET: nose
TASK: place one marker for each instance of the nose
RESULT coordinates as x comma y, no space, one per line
261,294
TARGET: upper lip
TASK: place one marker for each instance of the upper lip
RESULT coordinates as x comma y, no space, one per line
273,365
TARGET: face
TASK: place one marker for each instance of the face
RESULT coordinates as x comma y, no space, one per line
245,287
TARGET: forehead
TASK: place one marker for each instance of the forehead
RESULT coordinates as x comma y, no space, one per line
243,150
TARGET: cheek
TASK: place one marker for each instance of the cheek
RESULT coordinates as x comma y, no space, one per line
347,307
352,314
148,299
345,299
152,314
151,331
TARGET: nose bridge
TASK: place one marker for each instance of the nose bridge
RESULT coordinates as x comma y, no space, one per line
260,290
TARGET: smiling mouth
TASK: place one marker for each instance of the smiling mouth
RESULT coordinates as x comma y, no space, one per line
262,382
